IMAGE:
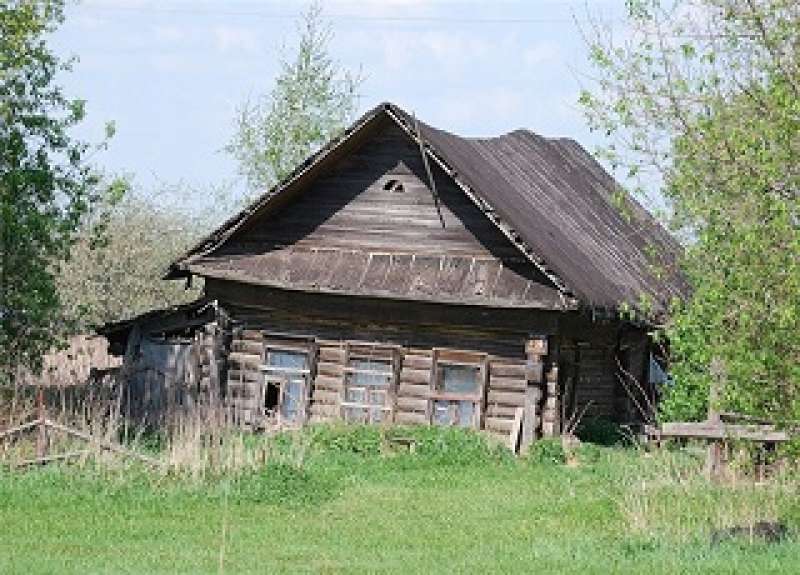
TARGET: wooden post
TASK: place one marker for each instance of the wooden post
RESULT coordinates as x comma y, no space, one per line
714,463
535,351
41,439
551,425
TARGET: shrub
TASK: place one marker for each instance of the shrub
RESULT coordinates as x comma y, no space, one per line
547,451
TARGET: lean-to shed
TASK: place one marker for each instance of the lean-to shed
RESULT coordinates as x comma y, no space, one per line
405,274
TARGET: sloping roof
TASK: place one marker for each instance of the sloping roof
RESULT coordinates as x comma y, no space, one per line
548,196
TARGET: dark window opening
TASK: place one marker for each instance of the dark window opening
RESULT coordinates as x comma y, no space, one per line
393,185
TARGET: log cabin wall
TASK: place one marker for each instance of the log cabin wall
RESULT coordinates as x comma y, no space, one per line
414,355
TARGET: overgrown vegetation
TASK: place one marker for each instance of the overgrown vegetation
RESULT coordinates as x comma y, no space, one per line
346,499
704,96
47,185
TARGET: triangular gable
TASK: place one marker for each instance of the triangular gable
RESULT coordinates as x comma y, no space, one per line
549,198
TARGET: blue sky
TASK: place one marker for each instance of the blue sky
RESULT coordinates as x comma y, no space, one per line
171,74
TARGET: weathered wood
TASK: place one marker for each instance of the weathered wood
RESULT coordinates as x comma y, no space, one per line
415,376
507,383
515,436
419,362
328,383
412,404
503,425
328,397
245,360
721,431
102,443
505,398
516,370
410,418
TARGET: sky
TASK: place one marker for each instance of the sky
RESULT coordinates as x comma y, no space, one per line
171,74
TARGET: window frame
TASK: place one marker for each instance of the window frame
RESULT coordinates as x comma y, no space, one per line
378,352
444,357
280,376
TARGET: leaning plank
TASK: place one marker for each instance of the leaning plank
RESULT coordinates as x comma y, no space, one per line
516,430
704,430
104,444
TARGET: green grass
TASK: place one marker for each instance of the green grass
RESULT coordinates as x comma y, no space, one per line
453,507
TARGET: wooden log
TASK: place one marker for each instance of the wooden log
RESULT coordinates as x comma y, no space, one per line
505,411
247,346
327,397
500,424
411,390
505,398
327,383
515,437
516,371
410,418
507,383
329,368
415,376
417,362
325,410
412,404
331,354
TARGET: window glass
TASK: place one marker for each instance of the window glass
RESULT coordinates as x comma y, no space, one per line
458,379
367,387
293,383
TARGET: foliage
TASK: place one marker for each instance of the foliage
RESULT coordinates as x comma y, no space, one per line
625,512
704,96
47,185
600,430
312,101
116,272
548,451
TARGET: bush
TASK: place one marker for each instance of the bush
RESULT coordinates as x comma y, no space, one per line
547,451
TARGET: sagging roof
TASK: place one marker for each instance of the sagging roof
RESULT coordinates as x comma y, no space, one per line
548,196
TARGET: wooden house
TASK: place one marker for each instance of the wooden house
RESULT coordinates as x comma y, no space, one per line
405,274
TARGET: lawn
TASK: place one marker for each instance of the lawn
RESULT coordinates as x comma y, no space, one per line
452,507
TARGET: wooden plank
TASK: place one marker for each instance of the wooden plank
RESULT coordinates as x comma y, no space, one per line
410,418
328,383
514,440
324,411
248,375
331,354
412,390
705,430
415,376
325,396
502,425
329,368
412,404
505,398
505,411
507,383
417,362
247,346
516,370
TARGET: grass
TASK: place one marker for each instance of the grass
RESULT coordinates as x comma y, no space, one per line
339,504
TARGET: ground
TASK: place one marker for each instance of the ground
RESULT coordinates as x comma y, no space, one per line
442,510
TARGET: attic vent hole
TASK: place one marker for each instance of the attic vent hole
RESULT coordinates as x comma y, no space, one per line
393,185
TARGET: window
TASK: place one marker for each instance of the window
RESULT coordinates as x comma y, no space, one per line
286,375
457,394
367,390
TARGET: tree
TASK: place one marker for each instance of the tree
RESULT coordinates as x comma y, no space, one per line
705,94
46,185
116,273
312,101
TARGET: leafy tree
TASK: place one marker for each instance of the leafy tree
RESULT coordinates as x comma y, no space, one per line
704,96
312,101
116,273
46,185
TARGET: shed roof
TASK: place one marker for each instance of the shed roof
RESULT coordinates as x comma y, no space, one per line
548,195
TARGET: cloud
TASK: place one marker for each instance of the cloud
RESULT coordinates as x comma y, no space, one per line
234,39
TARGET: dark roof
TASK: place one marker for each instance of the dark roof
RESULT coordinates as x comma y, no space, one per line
549,196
